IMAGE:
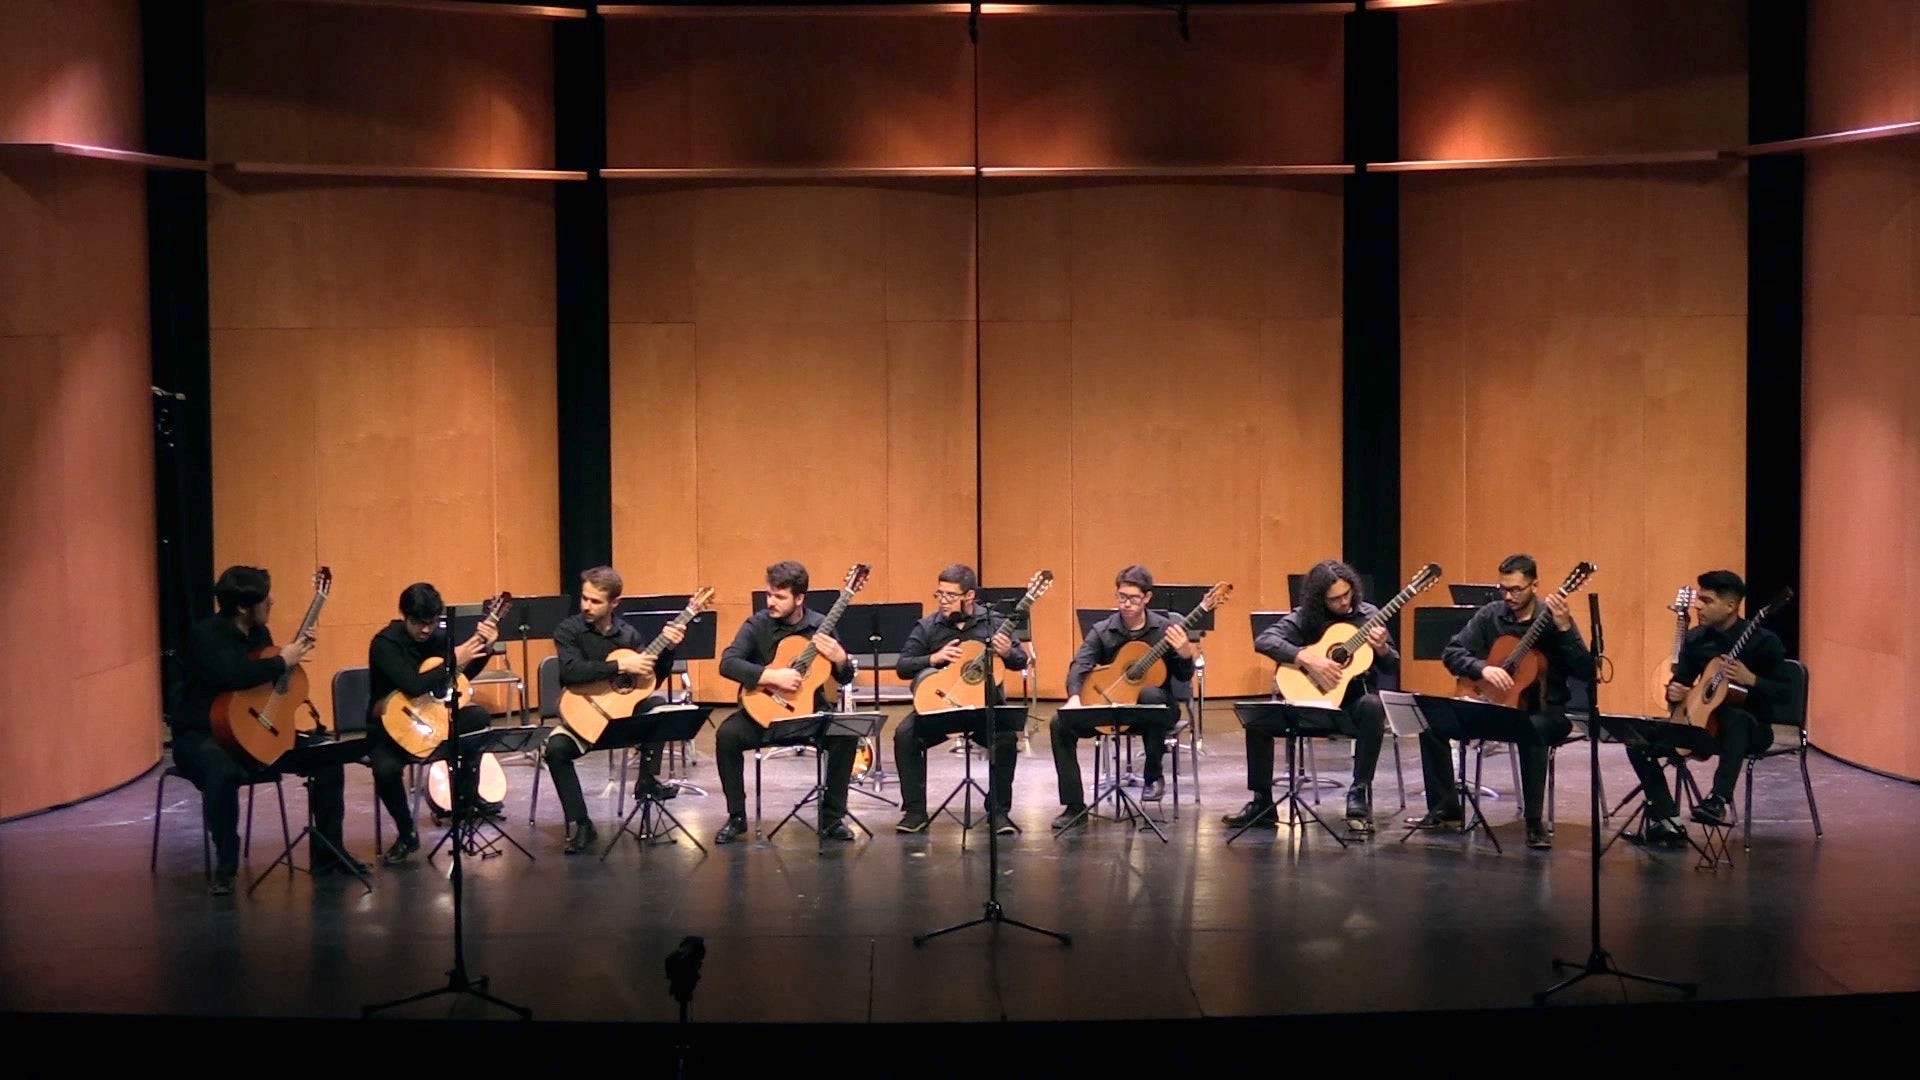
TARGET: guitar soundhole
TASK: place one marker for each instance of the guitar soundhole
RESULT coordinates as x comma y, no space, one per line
1339,655
972,677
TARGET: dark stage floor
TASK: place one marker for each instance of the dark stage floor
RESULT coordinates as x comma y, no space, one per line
1284,924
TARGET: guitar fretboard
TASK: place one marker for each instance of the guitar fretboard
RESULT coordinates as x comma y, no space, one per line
805,660
1138,669
306,627
659,643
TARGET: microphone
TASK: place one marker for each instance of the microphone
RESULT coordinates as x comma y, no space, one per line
1593,615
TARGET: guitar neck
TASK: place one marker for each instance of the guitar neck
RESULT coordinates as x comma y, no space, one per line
1527,640
659,643
1161,648
306,627
805,660
1380,617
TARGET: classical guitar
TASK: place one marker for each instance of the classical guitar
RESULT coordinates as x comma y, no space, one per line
1519,656
796,652
1346,644
1138,665
1715,688
419,724
1682,608
588,708
963,683
258,724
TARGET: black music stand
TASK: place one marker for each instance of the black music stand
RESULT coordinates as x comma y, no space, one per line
534,618
306,756
814,729
468,829
1147,721
885,628
1177,600
1671,744
997,599
1293,722
701,643
985,723
668,723
1465,721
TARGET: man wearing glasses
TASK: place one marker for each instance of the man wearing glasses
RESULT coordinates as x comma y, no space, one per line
1131,621
934,644
1466,656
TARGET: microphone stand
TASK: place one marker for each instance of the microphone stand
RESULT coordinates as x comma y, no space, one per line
993,914
458,981
1598,961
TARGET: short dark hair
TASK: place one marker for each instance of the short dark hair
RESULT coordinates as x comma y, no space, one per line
1520,563
604,578
1725,583
421,602
789,575
1313,588
1137,576
240,587
962,575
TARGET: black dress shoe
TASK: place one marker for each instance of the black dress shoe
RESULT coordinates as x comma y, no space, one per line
1073,817
839,830
1154,791
736,824
1665,832
1257,811
345,864
401,848
1538,837
1359,808
1438,819
222,883
580,837
1713,811
915,821
654,789
1003,825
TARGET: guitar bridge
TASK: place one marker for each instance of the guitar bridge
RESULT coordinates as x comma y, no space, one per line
264,722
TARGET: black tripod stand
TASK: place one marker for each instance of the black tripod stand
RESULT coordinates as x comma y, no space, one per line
1599,961
458,981
987,724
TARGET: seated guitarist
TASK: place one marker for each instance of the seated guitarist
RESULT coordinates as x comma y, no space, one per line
394,657
1131,621
745,661
1744,729
583,642
934,644
219,660
1466,656
1331,594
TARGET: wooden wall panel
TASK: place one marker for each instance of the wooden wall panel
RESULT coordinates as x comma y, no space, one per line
1573,375
317,84
1572,77
1863,64
383,394
1862,445
1164,353
1246,89
76,486
70,72
787,90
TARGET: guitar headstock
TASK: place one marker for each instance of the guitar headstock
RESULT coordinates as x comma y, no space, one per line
1581,573
497,608
1216,596
1780,600
1682,600
856,578
323,580
701,600
1427,578
1037,587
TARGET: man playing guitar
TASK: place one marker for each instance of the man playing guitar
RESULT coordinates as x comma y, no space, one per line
221,658
935,644
1468,656
1329,594
1744,729
746,661
1130,622
583,642
395,657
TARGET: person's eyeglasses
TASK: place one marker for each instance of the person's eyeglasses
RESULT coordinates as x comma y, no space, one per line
1514,590
1129,599
942,595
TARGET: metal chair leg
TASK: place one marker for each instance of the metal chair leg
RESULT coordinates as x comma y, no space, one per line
159,796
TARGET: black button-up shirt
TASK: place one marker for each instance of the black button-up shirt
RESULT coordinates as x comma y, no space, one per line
1299,628
932,633
583,650
393,663
1566,654
1766,654
1103,644
754,645
218,661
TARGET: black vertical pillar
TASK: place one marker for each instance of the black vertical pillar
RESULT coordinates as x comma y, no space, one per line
581,378
173,47
1776,214
1370,533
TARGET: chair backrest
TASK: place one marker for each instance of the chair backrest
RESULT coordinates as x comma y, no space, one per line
352,689
549,688
1794,712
